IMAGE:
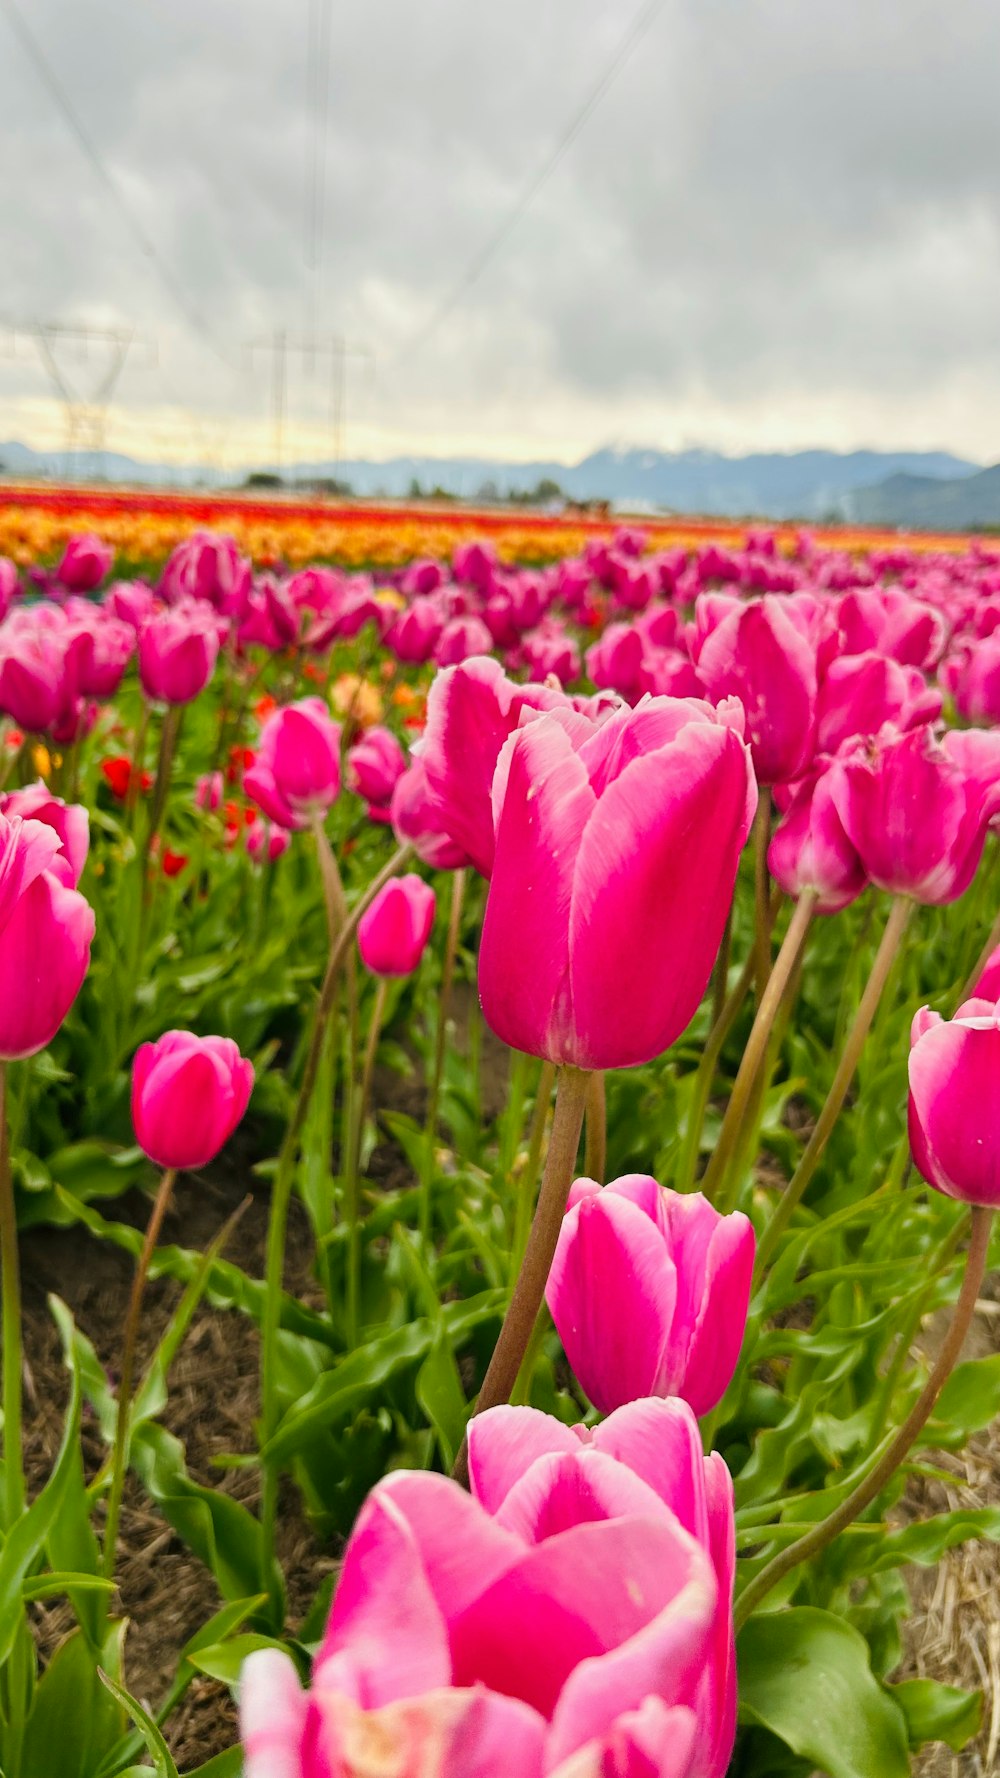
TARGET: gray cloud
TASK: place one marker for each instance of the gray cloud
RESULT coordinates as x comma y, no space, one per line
781,226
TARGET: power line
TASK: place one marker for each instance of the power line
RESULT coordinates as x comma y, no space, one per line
146,245
491,247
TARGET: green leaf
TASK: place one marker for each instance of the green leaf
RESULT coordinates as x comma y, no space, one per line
73,1721
937,1712
224,1765
805,1675
440,1394
969,1400
26,1539
157,1747
223,1660
221,1532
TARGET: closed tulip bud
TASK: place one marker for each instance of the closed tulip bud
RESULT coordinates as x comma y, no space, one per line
616,856
416,632
101,670
614,663
862,692
84,564
265,839
296,774
130,601
46,929
649,1292
954,1108
758,654
461,640
416,819
374,763
210,791
811,850
178,650
68,821
188,1095
972,677
393,932
33,678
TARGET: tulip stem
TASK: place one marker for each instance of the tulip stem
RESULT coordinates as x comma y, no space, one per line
13,1360
280,1196
119,1466
885,956
778,983
572,1089
595,1153
762,894
992,940
352,1202
871,1485
458,883
135,765
529,1176
701,1087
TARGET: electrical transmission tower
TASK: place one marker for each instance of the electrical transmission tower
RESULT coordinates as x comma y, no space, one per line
311,350
86,402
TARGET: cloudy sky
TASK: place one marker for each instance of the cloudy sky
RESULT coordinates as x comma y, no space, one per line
779,227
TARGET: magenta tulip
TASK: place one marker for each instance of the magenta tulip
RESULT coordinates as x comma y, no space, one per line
891,621
296,774
84,564
68,821
471,710
188,1095
208,566
46,929
987,987
660,1442
265,839
811,850
210,791
463,639
972,676
393,931
954,1109
33,679
417,819
178,650
416,632
917,820
568,1634
862,692
759,654
616,856
649,1292
374,763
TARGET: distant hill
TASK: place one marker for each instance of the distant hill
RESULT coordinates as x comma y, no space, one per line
797,484
920,502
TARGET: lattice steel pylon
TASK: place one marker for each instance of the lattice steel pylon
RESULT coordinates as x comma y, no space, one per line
86,411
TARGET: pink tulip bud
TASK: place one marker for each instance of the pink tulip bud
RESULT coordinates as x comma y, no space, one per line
862,692
461,640
178,650
296,775
210,791
616,856
46,929
131,601
68,821
416,817
972,676
988,985
393,932
811,850
265,839
892,622
416,632
760,655
33,679
208,566
112,645
188,1095
916,819
572,1631
615,661
954,1108
374,763
84,564
649,1292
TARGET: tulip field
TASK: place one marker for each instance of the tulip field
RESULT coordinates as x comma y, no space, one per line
499,1136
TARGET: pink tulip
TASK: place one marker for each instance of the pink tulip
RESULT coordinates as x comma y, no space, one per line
416,632
188,1095
570,1633
131,601
892,622
471,710
416,817
112,645
296,775
33,684
954,1109
972,676
615,661
208,566
265,839
616,856
68,821
660,1442
649,1292
475,563
46,929
917,820
374,763
758,654
393,932
210,790
84,564
862,692
462,639
987,987
811,850
10,581
178,650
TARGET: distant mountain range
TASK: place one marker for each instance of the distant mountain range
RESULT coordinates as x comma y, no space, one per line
915,489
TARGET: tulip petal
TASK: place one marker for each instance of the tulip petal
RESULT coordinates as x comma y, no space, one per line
655,1741
273,1710
472,1731
713,1285
660,1441
612,1291
579,1487
504,1443
955,1109
462,1548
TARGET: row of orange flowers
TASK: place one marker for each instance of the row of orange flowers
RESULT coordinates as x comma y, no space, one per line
143,527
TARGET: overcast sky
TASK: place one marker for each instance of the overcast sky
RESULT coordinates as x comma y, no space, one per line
780,226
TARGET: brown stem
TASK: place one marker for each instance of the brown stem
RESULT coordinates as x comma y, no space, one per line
131,1340
985,954
595,1153
560,1163
368,1066
762,893
885,956
867,1490
10,1282
753,1055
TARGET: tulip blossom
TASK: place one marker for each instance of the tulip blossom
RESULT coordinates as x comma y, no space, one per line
616,856
417,819
471,710
208,566
462,639
810,849
296,773
416,632
209,791
68,821
972,676
862,692
891,621
758,654
571,1632
265,839
46,929
373,765
660,1442
33,685
954,1107
917,820
393,931
987,986
188,1095
178,650
649,1291
84,563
